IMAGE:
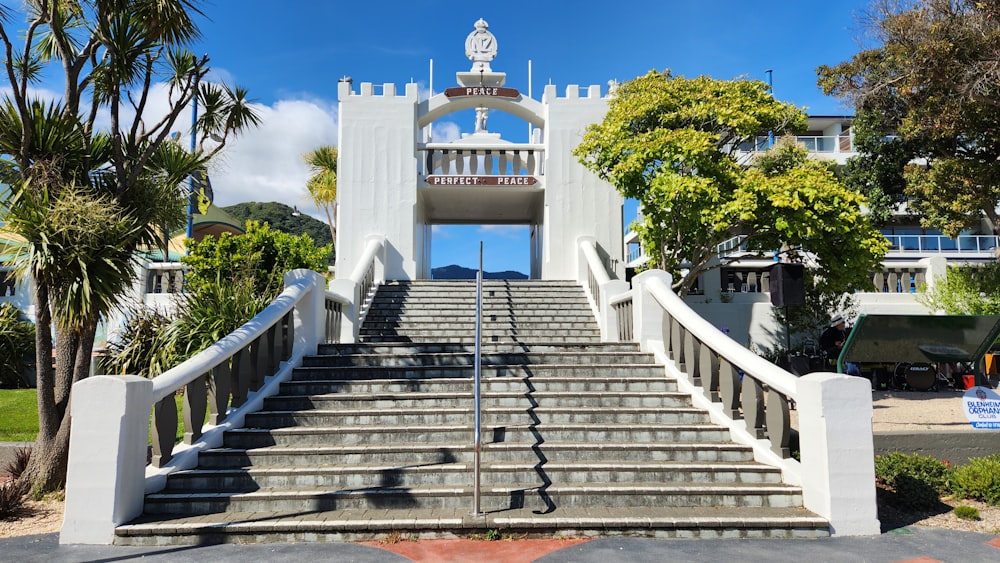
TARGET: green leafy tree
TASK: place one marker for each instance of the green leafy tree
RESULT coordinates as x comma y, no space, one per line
674,144
967,290
933,80
232,279
262,254
17,341
322,184
85,200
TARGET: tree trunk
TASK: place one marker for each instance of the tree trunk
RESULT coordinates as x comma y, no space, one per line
46,470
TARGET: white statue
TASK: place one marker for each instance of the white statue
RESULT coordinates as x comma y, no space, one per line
481,47
481,115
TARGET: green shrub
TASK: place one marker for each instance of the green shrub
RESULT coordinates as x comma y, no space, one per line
966,512
17,346
11,499
979,480
261,255
141,348
917,481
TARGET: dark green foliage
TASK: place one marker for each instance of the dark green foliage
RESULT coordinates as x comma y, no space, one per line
142,347
17,346
15,467
279,217
917,482
979,480
214,311
11,499
262,255
964,512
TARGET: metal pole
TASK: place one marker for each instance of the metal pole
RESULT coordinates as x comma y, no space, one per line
191,196
478,443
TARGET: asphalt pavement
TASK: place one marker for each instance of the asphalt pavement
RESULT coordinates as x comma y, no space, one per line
905,544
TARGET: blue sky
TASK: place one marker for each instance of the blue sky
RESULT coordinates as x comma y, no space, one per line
289,55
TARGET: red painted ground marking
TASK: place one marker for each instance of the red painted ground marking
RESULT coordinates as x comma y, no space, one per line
476,551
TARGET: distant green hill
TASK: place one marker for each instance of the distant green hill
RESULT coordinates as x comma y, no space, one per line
280,217
455,272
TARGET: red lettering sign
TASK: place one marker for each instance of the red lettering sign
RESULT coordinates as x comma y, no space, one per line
488,91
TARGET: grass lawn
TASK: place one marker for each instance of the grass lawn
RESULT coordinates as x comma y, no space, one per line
19,415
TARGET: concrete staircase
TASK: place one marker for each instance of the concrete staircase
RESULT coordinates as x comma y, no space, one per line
579,437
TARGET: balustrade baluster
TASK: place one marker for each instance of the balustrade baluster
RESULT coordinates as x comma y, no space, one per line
429,162
779,428
678,332
164,430
691,354
460,162
474,162
195,404
257,365
531,163
752,400
269,359
219,386
488,163
517,163
708,365
241,376
893,282
503,163
729,384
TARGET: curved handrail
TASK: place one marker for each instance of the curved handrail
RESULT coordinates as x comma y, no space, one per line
762,370
180,375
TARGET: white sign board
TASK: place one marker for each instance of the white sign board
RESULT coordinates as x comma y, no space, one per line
982,407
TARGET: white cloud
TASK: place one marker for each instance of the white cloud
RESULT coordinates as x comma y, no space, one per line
265,164
446,131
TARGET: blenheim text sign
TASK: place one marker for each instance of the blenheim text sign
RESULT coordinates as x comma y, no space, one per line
481,180
488,91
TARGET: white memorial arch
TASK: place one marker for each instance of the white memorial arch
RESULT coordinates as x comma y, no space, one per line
395,182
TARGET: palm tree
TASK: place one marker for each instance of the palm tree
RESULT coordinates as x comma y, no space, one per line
84,200
322,185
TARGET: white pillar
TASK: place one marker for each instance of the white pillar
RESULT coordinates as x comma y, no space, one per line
310,312
838,467
107,457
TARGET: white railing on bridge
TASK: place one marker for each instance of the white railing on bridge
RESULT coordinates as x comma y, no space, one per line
752,397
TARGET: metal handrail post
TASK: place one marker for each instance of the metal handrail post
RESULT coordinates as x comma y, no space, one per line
478,443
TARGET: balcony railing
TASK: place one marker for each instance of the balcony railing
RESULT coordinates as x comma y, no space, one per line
940,244
821,144
516,160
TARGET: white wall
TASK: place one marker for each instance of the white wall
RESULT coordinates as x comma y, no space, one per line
377,177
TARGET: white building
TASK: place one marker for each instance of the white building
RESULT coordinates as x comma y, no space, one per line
394,180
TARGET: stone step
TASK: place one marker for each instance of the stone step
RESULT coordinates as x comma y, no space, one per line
540,310
525,473
356,525
433,443
444,323
519,415
540,371
548,383
495,497
453,359
417,334
406,348
509,399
